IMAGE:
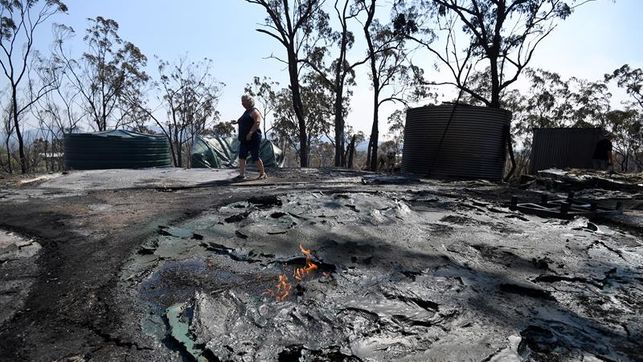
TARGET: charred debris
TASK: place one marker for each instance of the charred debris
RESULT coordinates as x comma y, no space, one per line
344,268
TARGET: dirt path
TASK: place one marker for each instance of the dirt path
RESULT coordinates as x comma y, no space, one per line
85,241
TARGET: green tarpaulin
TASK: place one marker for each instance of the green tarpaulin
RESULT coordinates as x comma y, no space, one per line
223,152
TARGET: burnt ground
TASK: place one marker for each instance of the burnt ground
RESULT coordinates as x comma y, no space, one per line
180,266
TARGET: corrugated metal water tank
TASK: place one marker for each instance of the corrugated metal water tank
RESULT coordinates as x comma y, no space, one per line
563,147
115,149
470,146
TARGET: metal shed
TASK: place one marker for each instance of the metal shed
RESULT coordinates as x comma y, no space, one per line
456,141
563,148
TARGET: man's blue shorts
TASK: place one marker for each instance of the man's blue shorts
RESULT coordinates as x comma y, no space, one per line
251,147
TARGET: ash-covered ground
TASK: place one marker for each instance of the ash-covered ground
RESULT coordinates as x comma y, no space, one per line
309,265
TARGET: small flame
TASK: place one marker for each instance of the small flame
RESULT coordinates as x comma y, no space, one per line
300,273
284,287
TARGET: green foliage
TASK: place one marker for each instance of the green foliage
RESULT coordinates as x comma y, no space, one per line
13,14
110,75
318,113
627,130
264,92
396,129
190,95
19,20
551,101
296,26
220,129
503,34
631,80
330,60
393,77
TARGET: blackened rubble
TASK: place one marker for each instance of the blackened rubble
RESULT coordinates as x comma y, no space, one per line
417,271
392,287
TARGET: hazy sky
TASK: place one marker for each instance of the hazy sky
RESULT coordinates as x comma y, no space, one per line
598,38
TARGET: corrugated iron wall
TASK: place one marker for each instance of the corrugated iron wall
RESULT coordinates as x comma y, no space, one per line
563,148
471,145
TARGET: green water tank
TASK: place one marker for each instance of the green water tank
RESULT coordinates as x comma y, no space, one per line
115,149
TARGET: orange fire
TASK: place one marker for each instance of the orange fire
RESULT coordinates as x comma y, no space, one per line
300,273
284,287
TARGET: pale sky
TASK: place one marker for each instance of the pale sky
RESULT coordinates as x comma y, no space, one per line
598,38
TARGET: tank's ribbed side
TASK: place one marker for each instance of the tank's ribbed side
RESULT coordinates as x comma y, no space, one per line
471,145
115,149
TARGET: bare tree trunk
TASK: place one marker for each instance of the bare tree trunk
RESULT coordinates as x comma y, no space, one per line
371,158
10,169
298,107
507,135
340,160
16,124
177,149
374,139
373,143
351,151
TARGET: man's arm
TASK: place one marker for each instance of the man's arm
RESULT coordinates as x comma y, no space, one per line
257,118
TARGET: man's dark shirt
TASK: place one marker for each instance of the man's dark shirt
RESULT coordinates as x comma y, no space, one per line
603,148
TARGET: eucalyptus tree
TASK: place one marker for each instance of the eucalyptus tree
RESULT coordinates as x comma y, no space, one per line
631,79
220,129
396,129
592,101
316,119
547,103
297,25
500,35
550,101
627,124
265,95
57,115
189,94
7,130
19,22
58,112
338,72
352,139
627,128
392,76
108,75
504,34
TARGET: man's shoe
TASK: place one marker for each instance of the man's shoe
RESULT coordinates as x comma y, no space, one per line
262,176
240,178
